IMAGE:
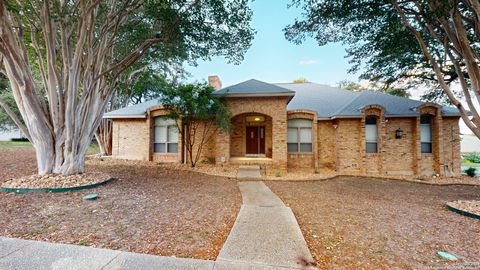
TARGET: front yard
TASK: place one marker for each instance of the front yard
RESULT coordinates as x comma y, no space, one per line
149,209
380,224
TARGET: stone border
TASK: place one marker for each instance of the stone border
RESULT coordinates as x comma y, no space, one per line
462,212
54,190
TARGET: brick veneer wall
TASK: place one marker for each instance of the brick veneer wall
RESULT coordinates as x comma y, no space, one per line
341,146
340,143
130,139
274,107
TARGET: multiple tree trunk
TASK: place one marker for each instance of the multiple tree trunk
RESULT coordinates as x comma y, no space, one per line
455,27
74,59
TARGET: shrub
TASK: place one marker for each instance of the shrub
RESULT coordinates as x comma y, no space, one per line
471,171
472,157
19,139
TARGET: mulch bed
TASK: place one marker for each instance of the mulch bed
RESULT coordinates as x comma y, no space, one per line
148,209
352,223
56,181
472,207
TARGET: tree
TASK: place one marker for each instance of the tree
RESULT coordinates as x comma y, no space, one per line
300,80
143,82
9,113
198,115
79,49
430,42
356,87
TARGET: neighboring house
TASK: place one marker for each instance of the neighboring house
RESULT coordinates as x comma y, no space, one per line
288,126
470,143
11,133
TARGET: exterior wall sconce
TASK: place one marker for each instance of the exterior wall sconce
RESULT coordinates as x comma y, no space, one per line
398,133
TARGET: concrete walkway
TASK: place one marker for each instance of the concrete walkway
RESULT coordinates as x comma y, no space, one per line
265,236
18,254
250,172
266,232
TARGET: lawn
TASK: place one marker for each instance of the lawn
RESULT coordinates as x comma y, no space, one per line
149,209
92,149
380,224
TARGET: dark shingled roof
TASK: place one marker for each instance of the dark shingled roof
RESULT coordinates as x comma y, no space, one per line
328,102
254,88
332,102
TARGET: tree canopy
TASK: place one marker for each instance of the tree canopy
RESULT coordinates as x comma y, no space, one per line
433,43
198,114
356,87
64,59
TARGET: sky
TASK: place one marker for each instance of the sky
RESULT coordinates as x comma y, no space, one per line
273,59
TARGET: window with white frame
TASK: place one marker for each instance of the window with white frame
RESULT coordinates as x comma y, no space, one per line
371,134
299,137
165,139
426,133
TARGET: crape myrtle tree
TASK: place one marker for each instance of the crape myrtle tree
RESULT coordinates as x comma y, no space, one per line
198,114
63,59
432,43
141,82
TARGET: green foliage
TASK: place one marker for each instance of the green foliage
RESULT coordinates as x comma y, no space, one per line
356,87
300,80
197,113
472,157
377,42
193,102
6,94
471,171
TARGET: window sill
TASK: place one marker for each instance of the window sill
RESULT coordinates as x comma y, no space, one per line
300,153
165,154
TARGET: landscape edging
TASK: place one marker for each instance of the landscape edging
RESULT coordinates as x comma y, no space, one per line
54,190
461,212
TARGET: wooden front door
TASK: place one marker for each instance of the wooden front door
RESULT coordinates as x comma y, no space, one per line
255,143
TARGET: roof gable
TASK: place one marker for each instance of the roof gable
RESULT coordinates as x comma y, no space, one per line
254,88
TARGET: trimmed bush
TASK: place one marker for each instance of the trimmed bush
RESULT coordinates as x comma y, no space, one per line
472,157
19,139
471,172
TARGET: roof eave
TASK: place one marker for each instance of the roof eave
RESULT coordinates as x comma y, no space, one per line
124,116
258,95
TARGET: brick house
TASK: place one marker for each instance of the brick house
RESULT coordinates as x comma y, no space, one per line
307,126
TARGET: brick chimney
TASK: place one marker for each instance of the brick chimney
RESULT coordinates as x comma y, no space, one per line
215,82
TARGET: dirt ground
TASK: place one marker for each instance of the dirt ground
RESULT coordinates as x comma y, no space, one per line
382,224
149,209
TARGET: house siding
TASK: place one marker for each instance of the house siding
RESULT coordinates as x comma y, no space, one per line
338,145
130,139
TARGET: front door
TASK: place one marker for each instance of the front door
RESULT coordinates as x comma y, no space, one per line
255,143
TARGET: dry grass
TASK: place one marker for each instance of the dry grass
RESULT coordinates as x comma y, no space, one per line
380,224
149,209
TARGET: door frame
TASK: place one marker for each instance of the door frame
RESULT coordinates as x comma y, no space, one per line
259,154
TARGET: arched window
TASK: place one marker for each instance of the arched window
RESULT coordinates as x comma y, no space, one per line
165,139
371,134
426,133
299,136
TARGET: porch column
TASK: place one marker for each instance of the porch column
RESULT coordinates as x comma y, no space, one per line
279,142
222,147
